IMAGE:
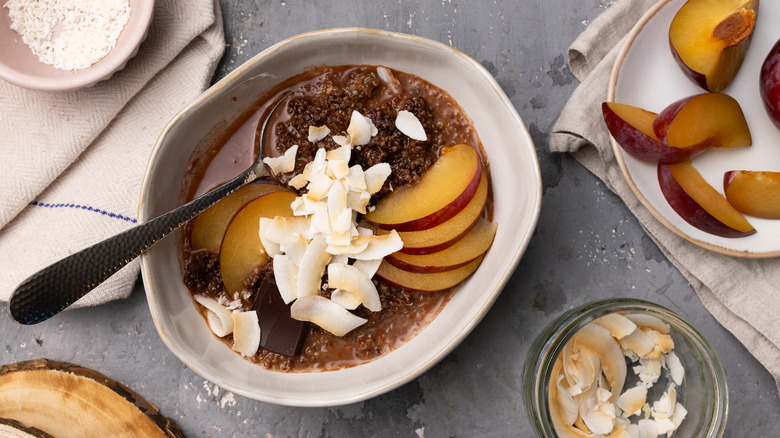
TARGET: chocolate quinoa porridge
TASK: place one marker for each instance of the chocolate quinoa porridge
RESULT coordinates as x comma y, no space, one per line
327,96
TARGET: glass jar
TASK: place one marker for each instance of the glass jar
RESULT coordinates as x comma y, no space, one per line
703,392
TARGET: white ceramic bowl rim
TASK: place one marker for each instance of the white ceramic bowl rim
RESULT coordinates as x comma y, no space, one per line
518,209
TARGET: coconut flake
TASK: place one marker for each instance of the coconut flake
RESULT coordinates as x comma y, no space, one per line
286,275
637,342
283,163
326,314
355,281
246,333
340,154
360,129
410,125
378,246
317,133
632,400
675,368
312,266
384,74
618,325
345,299
644,320
376,176
220,319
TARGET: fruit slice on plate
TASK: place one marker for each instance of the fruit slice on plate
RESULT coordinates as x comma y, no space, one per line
769,83
241,250
63,399
632,129
753,192
699,203
443,191
447,233
463,252
426,282
710,119
709,39
209,227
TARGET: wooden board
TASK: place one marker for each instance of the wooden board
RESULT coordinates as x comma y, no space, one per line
66,400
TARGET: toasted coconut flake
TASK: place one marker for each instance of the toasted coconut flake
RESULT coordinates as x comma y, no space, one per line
319,187
271,248
355,246
360,129
219,318
286,275
340,154
581,368
337,200
632,400
317,133
675,368
295,249
638,342
648,370
283,163
342,223
378,246
298,181
345,299
679,415
644,320
598,422
620,433
358,201
356,178
246,333
384,74
666,404
284,230
647,429
312,266
368,267
315,166
326,314
618,325
353,280
566,404
342,140
376,176
599,341
410,125
662,343
320,222
337,169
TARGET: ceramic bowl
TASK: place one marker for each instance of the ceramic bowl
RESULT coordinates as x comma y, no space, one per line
20,66
516,186
703,392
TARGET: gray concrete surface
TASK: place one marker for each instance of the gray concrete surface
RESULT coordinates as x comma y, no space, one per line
587,246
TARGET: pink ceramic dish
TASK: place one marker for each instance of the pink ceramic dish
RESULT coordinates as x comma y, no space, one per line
19,66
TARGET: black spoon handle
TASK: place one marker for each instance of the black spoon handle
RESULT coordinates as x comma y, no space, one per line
52,289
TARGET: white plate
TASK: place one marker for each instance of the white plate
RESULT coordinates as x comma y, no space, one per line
516,191
646,75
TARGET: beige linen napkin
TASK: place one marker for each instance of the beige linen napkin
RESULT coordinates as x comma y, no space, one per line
742,294
72,162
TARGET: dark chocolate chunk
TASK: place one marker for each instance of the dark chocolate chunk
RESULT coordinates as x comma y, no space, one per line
279,332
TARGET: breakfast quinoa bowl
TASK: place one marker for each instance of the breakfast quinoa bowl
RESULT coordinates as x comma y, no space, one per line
331,96
516,203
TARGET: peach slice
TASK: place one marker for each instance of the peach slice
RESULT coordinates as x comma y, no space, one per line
699,203
709,119
443,191
209,227
709,39
753,192
463,252
447,233
241,251
769,83
426,282
632,128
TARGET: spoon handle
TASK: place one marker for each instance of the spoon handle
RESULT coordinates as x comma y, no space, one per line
52,289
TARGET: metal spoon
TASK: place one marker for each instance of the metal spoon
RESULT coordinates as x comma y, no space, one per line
52,289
